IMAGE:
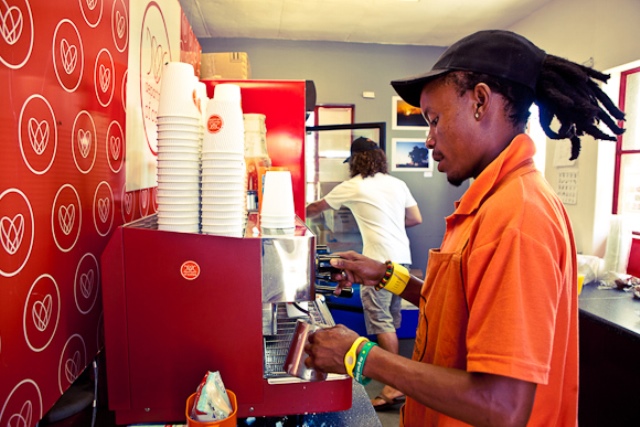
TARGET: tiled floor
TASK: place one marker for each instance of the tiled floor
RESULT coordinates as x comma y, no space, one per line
106,418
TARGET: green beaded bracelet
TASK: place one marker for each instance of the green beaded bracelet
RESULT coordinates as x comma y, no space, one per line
362,357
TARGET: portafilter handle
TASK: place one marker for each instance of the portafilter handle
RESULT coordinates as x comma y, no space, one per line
323,289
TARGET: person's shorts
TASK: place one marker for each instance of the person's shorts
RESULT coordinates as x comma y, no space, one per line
381,310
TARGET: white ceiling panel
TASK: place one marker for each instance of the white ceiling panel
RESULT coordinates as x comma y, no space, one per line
422,22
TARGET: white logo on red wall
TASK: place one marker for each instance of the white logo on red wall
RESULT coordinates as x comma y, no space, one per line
68,55
104,75
23,405
123,90
72,361
41,314
115,145
144,197
87,282
91,11
84,142
154,52
16,231
120,25
103,208
38,134
128,199
66,218
16,33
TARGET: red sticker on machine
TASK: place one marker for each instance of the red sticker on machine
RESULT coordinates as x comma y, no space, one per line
190,270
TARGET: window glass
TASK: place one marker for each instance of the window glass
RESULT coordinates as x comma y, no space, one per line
629,200
631,137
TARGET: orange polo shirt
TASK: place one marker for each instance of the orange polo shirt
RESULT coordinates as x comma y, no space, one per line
500,294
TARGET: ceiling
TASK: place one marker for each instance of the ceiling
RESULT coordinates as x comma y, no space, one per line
410,22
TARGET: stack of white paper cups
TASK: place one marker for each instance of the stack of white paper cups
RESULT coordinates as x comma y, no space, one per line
223,168
277,210
180,132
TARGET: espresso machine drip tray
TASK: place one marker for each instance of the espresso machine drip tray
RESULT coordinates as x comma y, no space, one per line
277,345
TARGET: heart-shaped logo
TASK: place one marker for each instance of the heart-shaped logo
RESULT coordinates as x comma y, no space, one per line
86,283
91,4
120,24
11,233
66,218
144,198
114,144
38,135
105,77
128,202
84,142
41,312
103,209
23,418
11,25
68,55
72,367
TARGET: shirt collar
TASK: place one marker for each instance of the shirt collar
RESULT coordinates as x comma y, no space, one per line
519,151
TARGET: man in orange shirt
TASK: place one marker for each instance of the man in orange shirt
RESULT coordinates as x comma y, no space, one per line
497,340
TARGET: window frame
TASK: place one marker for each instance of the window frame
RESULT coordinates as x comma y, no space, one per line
620,152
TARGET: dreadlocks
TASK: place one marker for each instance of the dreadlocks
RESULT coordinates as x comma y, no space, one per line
368,163
567,91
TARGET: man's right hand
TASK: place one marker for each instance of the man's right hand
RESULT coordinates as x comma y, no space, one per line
356,268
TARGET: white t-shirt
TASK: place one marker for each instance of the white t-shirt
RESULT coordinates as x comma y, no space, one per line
378,204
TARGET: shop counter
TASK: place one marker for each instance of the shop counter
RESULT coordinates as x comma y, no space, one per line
609,357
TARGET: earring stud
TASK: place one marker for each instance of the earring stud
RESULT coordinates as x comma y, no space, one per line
477,115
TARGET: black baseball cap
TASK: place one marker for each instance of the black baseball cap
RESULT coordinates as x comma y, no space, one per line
497,53
360,145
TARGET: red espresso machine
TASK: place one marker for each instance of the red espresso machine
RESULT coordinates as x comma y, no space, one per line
177,305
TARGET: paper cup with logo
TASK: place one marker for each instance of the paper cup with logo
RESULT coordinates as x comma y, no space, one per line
178,96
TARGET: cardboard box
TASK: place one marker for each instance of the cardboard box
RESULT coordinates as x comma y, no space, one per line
225,65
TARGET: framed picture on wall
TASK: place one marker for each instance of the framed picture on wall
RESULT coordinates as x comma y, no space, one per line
405,116
411,155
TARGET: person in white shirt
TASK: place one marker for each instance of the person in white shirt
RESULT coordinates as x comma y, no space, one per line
383,207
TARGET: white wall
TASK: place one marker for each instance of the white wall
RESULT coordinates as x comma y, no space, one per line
604,35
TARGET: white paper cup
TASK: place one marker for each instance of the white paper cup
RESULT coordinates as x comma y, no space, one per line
178,220
179,134
277,197
178,164
177,200
178,95
227,92
179,186
222,155
180,228
184,215
191,179
179,156
175,149
179,207
179,193
178,127
191,121
223,164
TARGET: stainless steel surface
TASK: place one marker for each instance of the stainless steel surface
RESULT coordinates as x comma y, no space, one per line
288,266
277,346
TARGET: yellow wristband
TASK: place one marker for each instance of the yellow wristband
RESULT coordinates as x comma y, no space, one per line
351,357
399,280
